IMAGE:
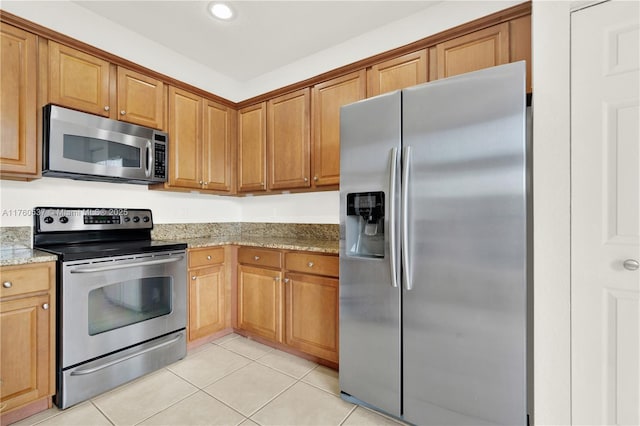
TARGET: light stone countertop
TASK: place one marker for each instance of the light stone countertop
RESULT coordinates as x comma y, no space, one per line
283,243
21,255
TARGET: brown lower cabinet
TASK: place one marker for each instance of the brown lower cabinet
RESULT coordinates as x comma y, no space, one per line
27,349
208,299
290,297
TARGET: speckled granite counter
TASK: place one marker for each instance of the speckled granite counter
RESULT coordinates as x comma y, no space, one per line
322,238
283,243
20,255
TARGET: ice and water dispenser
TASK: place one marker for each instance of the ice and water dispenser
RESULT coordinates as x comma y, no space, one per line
365,224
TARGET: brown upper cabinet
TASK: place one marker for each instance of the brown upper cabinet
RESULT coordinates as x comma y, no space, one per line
18,122
87,83
252,148
201,136
398,73
328,98
289,140
481,49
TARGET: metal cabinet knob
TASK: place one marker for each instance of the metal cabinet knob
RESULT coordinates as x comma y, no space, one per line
286,280
208,257
631,265
194,278
310,264
315,178
107,108
306,179
45,306
256,257
7,284
123,112
201,182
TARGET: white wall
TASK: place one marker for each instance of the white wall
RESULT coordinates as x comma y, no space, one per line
551,142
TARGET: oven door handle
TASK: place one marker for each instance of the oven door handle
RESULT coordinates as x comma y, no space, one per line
125,265
124,358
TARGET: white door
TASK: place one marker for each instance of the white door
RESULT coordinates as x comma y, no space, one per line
605,224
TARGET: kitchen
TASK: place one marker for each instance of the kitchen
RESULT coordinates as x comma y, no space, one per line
551,348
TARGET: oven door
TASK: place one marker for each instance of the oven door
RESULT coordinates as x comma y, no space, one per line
109,304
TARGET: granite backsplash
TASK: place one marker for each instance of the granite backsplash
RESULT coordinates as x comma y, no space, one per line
304,231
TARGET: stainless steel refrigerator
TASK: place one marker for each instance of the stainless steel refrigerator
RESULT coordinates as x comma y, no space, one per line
433,250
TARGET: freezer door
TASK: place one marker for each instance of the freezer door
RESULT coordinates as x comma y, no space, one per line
464,344
369,304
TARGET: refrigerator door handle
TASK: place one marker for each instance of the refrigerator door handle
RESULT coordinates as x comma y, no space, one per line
406,266
393,247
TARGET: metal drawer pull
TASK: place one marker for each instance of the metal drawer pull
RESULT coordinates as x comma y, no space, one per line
256,257
208,257
193,278
125,358
631,265
310,264
45,306
7,284
125,265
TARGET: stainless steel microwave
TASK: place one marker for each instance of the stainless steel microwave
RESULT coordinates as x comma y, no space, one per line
82,146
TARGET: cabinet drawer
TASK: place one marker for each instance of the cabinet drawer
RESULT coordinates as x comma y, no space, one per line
206,256
26,278
260,257
309,263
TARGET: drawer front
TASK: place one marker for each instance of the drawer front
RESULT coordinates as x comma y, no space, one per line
206,257
260,257
310,263
30,278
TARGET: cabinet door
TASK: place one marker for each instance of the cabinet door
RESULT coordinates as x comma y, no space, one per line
78,80
25,364
206,301
311,323
185,139
289,140
398,73
260,301
140,99
327,99
481,49
218,140
19,147
252,148
520,43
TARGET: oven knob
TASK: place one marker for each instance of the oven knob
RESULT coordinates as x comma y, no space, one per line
63,219
48,219
145,218
127,219
136,219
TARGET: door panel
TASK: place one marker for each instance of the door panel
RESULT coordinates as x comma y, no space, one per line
369,305
605,217
464,318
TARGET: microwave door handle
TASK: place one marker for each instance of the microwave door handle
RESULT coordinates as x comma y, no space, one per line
147,169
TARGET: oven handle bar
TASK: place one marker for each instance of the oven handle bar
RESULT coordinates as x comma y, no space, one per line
124,358
125,265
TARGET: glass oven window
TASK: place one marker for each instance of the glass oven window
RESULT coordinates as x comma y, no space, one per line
99,151
128,302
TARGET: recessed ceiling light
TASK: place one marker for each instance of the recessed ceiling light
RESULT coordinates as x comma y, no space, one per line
221,11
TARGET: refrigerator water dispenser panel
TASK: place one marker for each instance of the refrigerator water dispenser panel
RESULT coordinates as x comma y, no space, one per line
365,224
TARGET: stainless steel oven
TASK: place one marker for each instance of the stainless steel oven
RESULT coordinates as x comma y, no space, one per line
122,298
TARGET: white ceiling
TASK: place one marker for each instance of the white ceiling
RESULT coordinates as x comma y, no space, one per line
264,36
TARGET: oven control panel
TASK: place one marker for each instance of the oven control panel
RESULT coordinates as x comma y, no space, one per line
55,219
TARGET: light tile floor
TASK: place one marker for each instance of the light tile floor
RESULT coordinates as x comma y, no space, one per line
232,381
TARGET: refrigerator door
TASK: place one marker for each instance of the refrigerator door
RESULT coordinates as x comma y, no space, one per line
369,302
464,338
